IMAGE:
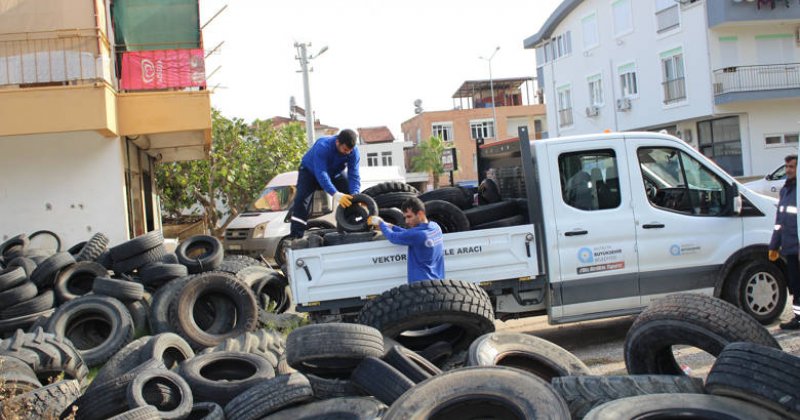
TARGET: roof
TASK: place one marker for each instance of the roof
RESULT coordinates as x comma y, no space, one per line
278,121
469,87
375,134
562,11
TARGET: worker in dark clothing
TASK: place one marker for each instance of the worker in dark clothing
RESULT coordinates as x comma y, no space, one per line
784,238
323,167
423,238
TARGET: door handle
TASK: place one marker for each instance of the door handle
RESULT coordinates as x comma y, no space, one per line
576,232
653,226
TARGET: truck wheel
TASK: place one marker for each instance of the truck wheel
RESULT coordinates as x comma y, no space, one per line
758,288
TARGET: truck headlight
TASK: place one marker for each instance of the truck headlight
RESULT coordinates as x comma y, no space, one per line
260,230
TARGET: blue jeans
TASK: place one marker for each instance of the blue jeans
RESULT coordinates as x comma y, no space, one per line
306,186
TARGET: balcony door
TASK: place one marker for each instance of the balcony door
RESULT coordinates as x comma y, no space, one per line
721,140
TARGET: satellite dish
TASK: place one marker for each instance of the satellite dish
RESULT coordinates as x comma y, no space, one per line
292,102
418,103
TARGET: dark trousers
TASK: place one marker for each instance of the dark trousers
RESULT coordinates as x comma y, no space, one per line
793,274
306,186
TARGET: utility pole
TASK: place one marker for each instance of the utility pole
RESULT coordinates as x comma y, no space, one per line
305,59
491,88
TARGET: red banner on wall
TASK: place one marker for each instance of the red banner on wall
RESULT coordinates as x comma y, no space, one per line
161,69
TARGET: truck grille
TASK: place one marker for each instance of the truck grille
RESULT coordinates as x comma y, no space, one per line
236,234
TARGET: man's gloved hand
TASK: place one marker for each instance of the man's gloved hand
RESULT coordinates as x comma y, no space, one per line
374,221
773,255
344,200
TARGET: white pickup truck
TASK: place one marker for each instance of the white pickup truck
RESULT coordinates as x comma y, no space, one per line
616,220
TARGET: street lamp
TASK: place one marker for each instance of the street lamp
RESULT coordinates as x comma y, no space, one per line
491,87
305,59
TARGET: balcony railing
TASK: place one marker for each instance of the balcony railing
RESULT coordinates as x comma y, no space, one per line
756,78
674,90
565,117
54,58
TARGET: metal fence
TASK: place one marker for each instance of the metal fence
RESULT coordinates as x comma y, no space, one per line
755,78
54,58
674,90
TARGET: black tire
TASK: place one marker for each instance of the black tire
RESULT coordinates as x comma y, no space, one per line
52,234
233,266
332,348
327,388
220,376
463,309
182,309
206,411
12,277
14,247
40,303
508,221
490,212
250,343
437,353
147,412
169,348
46,402
448,216
93,248
583,393
77,280
45,273
98,326
48,355
522,351
136,246
760,375
352,408
158,318
23,322
123,361
137,261
336,238
21,293
488,192
412,365
269,396
696,406
27,264
275,289
691,319
75,249
200,253
393,215
759,289
354,217
381,380
143,391
389,187
105,260
393,199
139,310
453,195
170,258
156,274
125,291
16,376
481,392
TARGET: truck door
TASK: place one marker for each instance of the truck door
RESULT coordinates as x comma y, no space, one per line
595,233
685,224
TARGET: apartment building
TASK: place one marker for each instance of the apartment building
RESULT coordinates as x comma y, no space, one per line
471,121
379,148
93,93
723,75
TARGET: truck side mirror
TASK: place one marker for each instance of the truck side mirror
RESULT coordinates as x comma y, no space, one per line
736,202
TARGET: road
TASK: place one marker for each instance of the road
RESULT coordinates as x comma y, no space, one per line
600,344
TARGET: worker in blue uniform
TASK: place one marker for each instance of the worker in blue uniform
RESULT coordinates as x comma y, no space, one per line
423,238
322,167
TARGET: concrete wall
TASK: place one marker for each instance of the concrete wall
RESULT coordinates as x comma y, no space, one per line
69,183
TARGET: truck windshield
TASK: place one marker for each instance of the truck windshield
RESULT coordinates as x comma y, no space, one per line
274,199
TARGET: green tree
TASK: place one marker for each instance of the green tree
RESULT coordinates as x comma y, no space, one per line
429,158
243,157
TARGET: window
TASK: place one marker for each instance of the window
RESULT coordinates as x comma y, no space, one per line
775,48
589,180
386,158
720,140
372,159
482,129
781,139
443,130
627,80
595,90
728,51
557,47
623,21
672,74
667,15
564,106
590,36
677,182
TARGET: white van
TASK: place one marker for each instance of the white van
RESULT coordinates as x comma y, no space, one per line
261,230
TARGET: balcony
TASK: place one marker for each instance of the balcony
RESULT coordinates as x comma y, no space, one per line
674,90
730,13
750,83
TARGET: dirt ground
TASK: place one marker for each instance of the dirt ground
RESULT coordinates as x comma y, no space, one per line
600,343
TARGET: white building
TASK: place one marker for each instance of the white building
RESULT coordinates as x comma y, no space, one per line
378,147
724,75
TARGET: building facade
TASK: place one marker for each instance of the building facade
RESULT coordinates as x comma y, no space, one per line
92,97
722,75
379,148
471,120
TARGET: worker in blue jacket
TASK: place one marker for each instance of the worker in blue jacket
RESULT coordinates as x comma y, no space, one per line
784,238
423,238
322,167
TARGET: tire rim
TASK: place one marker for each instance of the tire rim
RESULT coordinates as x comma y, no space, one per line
762,293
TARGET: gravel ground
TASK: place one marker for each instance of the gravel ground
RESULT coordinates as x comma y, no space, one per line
600,343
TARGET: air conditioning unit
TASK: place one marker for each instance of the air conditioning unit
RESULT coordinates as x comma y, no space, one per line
592,111
623,104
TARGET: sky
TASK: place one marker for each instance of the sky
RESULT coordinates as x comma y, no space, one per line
381,55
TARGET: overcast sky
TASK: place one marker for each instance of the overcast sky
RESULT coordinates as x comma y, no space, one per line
381,55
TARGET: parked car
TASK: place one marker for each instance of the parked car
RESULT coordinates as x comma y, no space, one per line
771,184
